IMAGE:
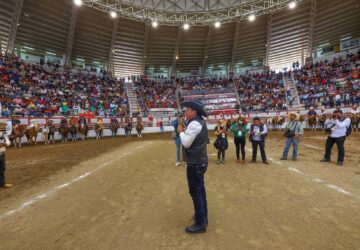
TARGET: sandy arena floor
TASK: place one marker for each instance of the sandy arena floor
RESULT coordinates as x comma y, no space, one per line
128,194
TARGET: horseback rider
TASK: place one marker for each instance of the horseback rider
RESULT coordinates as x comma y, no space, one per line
99,122
15,121
63,121
114,120
312,112
355,111
32,124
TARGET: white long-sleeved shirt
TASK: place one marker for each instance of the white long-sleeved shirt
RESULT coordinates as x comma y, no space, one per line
4,139
339,130
257,135
188,136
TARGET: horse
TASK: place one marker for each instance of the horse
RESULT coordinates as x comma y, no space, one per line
322,120
99,131
114,127
51,134
73,132
139,128
277,121
312,122
128,128
83,130
17,133
268,123
355,120
64,131
31,134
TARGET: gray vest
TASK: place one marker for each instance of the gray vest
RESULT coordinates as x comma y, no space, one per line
196,154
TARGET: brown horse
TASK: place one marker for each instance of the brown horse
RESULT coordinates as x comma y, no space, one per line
64,131
17,133
322,120
31,134
99,131
83,130
312,121
114,127
278,121
139,128
355,120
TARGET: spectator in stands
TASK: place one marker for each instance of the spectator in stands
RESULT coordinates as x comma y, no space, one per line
258,133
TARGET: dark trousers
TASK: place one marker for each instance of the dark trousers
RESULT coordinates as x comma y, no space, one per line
195,177
261,145
2,169
240,142
340,145
221,152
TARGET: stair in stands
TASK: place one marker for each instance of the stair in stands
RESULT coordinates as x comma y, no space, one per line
290,84
133,104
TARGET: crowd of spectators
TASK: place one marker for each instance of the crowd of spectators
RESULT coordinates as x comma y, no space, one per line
331,84
45,90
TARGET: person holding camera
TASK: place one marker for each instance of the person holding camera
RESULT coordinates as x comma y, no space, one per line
293,131
221,143
258,133
239,128
338,128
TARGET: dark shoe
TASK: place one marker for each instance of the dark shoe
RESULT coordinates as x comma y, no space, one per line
325,160
283,158
6,185
195,229
266,162
340,163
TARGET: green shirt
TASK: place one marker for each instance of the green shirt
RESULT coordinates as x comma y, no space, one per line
239,130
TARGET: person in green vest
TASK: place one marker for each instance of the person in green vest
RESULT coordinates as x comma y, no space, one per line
240,129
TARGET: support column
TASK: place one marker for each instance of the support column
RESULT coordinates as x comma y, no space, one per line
14,25
233,51
176,52
268,39
110,64
146,38
310,40
206,49
70,40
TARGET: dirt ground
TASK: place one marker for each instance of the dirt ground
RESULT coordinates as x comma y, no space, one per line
128,194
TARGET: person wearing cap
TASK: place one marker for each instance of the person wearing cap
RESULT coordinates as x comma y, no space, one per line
337,128
293,131
258,132
4,141
194,140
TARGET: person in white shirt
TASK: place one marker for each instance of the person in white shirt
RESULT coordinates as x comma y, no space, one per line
355,110
337,128
4,141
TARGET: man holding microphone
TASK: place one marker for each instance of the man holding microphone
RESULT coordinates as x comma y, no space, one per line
194,140
337,127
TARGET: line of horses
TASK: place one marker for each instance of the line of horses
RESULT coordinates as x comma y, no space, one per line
71,132
313,122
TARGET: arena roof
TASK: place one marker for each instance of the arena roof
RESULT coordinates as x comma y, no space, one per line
277,37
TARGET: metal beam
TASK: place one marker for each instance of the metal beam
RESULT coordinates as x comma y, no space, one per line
268,39
176,52
110,64
14,25
310,39
70,40
206,49
235,42
146,38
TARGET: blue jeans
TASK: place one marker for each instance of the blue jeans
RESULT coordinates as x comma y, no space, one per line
195,177
295,142
178,147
